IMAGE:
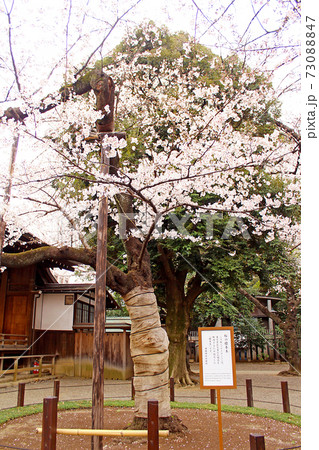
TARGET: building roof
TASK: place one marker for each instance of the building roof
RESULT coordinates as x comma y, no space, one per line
84,289
29,242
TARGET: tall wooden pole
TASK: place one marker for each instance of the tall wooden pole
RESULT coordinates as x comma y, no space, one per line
103,87
99,316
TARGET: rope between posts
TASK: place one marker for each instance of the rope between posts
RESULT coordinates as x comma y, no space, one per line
269,387
178,396
9,446
290,448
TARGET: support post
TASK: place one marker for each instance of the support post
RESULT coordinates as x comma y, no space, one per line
171,389
56,389
49,423
220,426
99,310
285,396
152,425
104,91
99,325
257,442
21,391
249,391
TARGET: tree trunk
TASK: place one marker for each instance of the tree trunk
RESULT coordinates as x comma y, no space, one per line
289,326
149,351
177,324
292,348
179,305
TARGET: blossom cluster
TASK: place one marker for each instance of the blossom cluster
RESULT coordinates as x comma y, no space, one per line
195,140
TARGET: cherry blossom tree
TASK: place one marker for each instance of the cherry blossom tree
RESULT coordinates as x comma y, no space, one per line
186,138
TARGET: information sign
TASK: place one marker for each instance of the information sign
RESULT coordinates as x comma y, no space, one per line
217,358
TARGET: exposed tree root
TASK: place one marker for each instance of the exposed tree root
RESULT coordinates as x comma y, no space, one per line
289,373
172,423
188,378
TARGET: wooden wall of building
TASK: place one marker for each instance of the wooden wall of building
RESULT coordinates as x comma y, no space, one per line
16,301
75,352
51,342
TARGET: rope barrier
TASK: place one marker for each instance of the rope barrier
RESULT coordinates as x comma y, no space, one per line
290,448
129,395
9,446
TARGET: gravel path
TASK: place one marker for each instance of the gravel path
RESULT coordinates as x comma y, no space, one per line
265,381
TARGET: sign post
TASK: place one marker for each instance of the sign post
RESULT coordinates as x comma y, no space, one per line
217,364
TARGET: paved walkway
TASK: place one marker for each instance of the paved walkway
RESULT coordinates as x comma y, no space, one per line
265,381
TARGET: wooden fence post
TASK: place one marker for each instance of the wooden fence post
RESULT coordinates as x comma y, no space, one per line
152,425
285,396
56,389
21,391
49,423
132,389
213,396
257,442
15,367
171,389
249,391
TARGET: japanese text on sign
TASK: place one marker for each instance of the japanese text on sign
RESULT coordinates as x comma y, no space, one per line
217,357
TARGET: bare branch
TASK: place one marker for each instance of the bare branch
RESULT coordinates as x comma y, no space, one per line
118,19
15,71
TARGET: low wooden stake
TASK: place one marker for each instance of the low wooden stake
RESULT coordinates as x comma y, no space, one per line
49,423
213,396
257,442
132,389
56,389
152,425
249,391
21,391
285,396
171,389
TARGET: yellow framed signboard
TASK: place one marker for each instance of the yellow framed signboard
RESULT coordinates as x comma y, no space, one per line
217,362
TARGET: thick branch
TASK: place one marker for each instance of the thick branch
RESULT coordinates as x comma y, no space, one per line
296,136
195,288
262,308
116,279
165,260
34,256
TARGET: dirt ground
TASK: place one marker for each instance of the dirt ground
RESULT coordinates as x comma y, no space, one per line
202,431
202,424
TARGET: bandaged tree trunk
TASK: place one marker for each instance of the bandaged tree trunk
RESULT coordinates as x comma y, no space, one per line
149,351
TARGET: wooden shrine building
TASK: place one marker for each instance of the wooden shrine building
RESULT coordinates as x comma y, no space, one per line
38,315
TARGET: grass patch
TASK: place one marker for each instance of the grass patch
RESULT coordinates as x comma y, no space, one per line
292,419
14,413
